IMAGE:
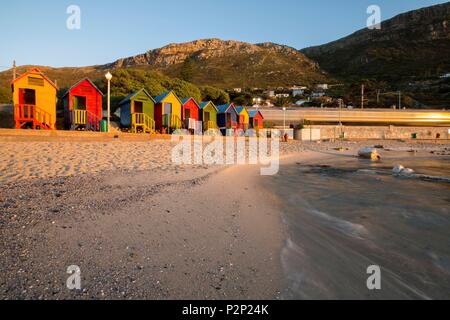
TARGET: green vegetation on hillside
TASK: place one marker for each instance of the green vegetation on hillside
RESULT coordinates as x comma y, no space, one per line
124,82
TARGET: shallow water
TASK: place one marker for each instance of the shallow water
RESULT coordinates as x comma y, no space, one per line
345,214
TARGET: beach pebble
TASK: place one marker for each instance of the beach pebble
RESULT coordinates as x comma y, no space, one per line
398,168
401,170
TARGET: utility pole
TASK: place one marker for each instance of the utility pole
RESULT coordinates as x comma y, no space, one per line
14,70
362,96
399,99
378,97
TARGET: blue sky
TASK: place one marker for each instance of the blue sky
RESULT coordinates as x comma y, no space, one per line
35,32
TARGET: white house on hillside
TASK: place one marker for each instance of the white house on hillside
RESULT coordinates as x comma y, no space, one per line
322,86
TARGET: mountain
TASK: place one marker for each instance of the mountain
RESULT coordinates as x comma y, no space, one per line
213,62
411,50
229,64
410,53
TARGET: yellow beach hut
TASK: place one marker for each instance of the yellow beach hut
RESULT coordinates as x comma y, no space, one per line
34,97
244,118
168,112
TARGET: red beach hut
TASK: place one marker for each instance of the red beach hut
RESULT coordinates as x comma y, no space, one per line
190,113
83,106
256,119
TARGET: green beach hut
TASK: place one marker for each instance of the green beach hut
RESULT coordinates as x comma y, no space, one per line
137,112
208,115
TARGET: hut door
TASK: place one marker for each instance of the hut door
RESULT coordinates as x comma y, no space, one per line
167,108
228,119
27,96
138,107
207,116
187,114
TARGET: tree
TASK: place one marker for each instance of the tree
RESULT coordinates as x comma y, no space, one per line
187,69
243,99
183,89
215,95
5,95
281,101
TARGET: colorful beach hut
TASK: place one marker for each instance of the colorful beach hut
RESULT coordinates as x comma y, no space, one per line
208,115
190,113
83,106
34,97
256,119
137,112
168,109
243,119
227,118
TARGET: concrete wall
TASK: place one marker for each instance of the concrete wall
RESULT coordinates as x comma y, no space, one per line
384,132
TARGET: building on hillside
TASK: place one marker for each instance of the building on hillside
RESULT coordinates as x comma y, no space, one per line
298,91
321,86
317,94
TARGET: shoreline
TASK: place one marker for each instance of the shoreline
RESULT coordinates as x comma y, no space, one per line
332,237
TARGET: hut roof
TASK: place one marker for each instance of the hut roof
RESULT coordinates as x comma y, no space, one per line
224,108
132,95
203,105
76,84
35,70
162,97
253,113
184,101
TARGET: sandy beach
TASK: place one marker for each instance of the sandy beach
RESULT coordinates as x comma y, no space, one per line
140,227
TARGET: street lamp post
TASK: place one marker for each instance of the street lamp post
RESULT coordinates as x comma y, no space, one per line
108,77
340,116
284,120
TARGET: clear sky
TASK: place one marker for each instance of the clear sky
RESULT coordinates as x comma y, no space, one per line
35,32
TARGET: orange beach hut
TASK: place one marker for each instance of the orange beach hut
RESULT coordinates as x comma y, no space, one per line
34,97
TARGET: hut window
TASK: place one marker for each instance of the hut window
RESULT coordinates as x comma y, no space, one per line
167,108
187,114
138,107
32,81
29,96
207,116
79,103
